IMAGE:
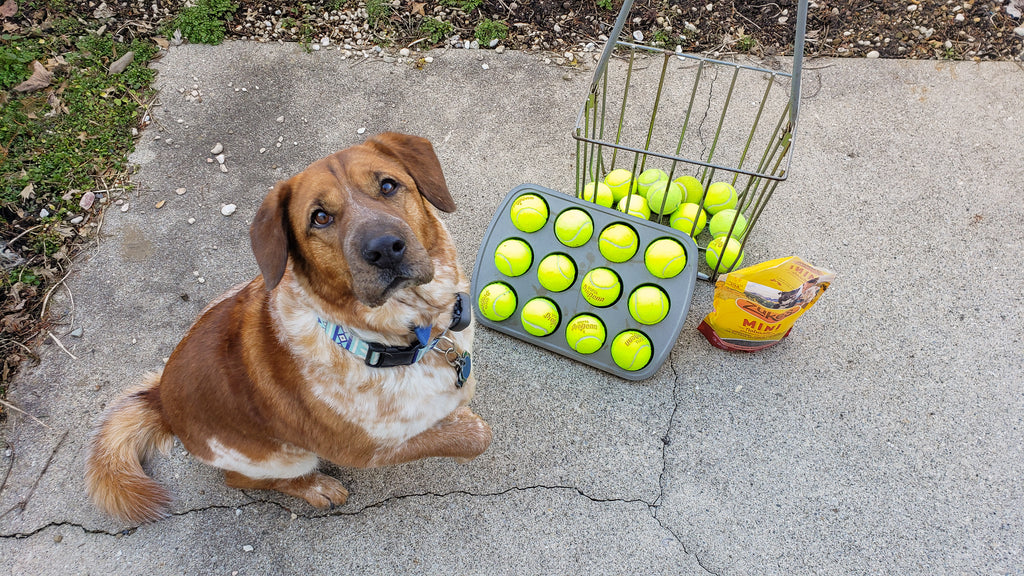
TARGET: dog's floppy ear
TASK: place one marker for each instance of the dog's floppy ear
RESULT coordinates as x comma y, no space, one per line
269,235
417,156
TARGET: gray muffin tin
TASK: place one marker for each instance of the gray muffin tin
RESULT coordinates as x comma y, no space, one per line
632,274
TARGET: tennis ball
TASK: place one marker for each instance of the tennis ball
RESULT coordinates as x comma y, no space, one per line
574,228
556,272
631,350
648,305
585,334
620,181
724,255
634,205
722,221
664,197
540,317
513,257
529,213
649,178
618,243
693,190
665,258
497,301
601,287
720,196
684,218
598,193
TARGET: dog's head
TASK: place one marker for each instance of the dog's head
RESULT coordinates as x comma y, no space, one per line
356,224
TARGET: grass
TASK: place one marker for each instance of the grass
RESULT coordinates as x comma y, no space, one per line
464,5
204,22
488,30
435,29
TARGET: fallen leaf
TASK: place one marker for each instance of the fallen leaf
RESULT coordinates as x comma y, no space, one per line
28,192
40,79
417,8
121,63
9,8
162,42
10,27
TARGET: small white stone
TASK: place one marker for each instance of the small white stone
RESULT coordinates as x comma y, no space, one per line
44,213
959,18
191,220
124,207
217,148
404,52
223,168
873,54
316,47
1019,31
219,158
361,131
195,273
228,209
262,150
428,59
201,280
77,219
638,36
280,119
238,512
209,160
325,41
912,8
247,548
485,66
179,191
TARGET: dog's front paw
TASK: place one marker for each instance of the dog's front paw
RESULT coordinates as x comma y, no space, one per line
472,432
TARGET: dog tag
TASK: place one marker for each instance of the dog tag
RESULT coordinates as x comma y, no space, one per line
463,367
461,314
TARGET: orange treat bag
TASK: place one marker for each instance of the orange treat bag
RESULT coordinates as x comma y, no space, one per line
756,307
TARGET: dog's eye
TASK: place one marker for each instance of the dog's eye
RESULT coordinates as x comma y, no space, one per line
388,187
321,219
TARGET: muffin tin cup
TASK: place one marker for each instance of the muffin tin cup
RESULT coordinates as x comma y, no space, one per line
632,274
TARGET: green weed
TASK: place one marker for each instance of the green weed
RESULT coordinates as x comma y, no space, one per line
203,23
436,30
488,30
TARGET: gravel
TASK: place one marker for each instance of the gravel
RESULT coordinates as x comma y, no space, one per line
908,29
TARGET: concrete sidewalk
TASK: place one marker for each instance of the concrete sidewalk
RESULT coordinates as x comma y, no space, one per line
885,436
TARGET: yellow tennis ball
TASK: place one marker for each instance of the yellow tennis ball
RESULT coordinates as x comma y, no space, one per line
529,213
618,243
665,258
540,317
619,181
720,196
556,272
634,205
601,287
724,255
631,350
664,197
722,221
648,305
513,257
497,301
585,334
693,190
649,178
598,193
684,218
574,227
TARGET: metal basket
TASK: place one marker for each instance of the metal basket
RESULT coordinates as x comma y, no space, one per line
687,114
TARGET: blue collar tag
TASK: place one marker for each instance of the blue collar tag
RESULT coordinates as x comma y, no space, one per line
423,334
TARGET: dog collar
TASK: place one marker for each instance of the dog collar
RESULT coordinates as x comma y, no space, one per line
383,356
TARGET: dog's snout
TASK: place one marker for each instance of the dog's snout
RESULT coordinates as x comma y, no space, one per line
384,251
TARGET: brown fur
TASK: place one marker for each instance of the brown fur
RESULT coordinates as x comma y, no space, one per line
256,388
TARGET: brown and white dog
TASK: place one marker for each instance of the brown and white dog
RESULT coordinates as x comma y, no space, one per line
261,386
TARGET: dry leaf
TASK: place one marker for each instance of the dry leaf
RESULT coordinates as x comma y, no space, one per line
40,79
162,42
417,8
28,192
9,8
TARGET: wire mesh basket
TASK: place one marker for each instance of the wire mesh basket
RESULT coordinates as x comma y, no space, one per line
690,115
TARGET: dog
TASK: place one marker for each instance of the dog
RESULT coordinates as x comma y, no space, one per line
352,345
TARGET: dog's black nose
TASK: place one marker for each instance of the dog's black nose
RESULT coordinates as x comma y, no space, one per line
384,251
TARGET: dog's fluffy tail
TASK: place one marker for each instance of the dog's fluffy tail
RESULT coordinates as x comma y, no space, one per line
130,431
